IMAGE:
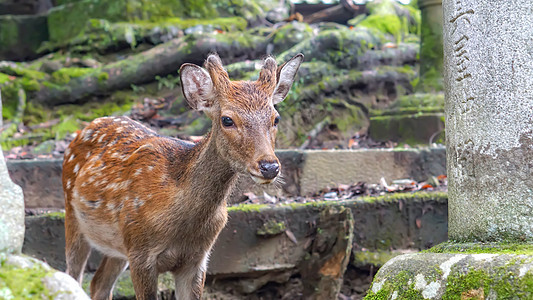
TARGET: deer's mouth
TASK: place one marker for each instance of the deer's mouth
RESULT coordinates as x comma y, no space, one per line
260,179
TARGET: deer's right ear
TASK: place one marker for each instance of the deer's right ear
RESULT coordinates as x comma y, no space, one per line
197,87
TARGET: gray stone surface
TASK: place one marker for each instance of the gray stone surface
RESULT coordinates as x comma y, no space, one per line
303,172
454,276
11,212
323,168
56,285
40,181
404,221
488,55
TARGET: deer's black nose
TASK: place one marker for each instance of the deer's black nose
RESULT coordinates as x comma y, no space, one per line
269,169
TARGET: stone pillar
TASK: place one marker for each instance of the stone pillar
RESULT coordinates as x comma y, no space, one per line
11,209
489,119
488,75
431,62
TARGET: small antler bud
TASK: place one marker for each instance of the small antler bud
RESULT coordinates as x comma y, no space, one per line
267,76
219,76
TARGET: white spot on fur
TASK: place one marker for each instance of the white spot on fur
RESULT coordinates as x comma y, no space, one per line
97,121
116,119
121,185
71,157
75,194
69,182
101,138
88,155
76,168
67,152
446,266
138,172
150,168
119,129
124,122
138,202
87,134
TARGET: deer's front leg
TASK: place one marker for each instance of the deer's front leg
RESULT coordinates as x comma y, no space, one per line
190,280
144,277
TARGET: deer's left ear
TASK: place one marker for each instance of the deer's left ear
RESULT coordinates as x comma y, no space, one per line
285,78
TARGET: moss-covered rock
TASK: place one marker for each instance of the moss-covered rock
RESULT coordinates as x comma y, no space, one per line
390,18
455,276
67,21
22,277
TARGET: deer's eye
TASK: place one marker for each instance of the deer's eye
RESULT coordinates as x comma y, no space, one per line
227,121
276,121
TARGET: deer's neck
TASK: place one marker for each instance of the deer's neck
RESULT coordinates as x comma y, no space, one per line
210,176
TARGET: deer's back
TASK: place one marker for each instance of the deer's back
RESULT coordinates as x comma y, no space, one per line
120,179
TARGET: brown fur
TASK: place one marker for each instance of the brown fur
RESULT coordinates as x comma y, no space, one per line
159,203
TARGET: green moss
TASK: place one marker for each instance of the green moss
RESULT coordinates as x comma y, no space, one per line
505,284
55,215
67,126
388,23
400,285
226,24
30,85
63,75
9,33
4,78
103,76
23,283
372,258
271,227
475,248
247,207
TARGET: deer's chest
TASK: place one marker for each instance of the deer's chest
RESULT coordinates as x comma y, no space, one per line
188,246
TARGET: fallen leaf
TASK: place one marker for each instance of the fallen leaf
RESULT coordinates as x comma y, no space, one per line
250,196
291,236
418,223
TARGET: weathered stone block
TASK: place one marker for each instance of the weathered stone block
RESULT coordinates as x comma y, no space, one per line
323,168
40,181
403,221
419,128
21,36
303,172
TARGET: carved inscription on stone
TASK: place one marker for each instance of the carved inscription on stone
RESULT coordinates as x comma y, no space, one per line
461,23
465,158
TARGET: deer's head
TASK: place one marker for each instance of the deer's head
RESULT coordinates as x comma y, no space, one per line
244,118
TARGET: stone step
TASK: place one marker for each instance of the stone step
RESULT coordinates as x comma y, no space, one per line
305,172
263,244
